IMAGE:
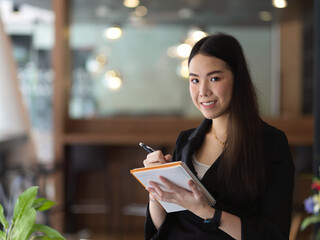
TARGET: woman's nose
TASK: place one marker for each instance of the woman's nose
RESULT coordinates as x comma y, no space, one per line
205,90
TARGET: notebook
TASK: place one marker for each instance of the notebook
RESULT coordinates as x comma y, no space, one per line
176,172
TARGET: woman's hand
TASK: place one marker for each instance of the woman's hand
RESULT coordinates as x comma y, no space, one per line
157,212
192,200
156,158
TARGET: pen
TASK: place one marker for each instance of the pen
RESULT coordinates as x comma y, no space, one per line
145,147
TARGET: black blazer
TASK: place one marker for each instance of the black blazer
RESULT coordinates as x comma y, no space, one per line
266,217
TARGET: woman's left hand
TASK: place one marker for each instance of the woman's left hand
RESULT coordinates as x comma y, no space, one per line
192,200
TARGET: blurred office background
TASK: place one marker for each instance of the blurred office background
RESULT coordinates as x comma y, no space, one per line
83,82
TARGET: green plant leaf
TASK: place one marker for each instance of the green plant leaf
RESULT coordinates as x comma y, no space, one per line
24,224
42,204
2,235
3,220
309,220
318,235
50,232
45,238
24,202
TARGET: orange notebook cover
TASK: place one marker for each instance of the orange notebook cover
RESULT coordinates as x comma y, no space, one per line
176,172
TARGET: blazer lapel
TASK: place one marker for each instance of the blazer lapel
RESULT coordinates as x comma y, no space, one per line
194,142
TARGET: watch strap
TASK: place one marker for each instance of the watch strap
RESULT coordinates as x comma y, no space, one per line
216,218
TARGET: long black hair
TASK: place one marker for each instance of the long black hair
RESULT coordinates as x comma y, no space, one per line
242,165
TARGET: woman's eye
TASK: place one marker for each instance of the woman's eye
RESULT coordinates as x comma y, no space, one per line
194,80
214,79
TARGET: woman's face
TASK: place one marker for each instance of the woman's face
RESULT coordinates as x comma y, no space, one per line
211,85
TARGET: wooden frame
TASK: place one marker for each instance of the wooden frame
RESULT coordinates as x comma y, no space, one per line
61,63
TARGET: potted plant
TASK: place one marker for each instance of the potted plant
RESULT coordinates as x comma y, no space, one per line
23,226
312,206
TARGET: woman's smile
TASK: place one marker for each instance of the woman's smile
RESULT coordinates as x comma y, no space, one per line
208,103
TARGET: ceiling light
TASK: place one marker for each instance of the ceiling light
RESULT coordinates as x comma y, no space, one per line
191,41
265,16
101,58
112,80
113,32
184,70
172,52
131,3
97,63
279,3
194,35
114,83
197,35
141,11
184,50
92,66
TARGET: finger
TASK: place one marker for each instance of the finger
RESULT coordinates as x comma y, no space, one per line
146,162
156,157
155,188
193,187
153,184
152,197
150,189
160,194
156,153
170,185
160,156
167,183
163,195
152,160
168,158
152,192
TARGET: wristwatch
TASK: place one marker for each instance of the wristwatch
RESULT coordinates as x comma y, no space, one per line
216,218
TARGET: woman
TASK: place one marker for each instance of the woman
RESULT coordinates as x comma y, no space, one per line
243,162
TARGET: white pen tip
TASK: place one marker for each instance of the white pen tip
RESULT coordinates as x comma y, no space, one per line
141,144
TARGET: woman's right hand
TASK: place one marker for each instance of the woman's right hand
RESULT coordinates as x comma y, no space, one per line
157,212
156,158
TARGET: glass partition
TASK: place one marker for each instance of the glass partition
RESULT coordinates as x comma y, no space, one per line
130,60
